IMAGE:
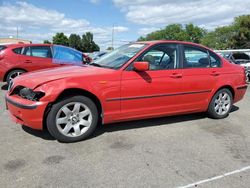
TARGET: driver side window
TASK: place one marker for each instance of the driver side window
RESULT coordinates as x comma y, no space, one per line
161,57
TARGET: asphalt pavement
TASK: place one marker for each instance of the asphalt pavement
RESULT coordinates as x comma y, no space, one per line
188,150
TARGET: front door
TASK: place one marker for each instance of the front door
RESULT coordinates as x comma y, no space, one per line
156,91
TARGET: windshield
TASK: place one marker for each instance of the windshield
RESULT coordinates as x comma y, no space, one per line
118,57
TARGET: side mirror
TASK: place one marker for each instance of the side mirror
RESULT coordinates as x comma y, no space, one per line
141,66
86,59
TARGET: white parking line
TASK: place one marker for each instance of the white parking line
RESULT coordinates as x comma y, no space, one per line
216,177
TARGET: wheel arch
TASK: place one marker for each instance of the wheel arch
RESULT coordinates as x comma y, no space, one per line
210,108
16,68
230,88
72,92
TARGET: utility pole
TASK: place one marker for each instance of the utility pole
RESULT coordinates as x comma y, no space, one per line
113,32
17,32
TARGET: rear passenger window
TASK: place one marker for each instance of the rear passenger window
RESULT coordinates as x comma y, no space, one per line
195,58
18,50
38,51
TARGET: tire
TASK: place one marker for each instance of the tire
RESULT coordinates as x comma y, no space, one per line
11,75
221,104
72,119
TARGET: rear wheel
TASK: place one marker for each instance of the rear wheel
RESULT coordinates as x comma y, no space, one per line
11,75
221,104
72,119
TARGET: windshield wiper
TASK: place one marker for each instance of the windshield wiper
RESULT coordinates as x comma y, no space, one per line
103,66
95,64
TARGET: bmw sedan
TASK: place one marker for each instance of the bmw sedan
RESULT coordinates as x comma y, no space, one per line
136,81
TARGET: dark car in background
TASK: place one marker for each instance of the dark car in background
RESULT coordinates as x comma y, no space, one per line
16,59
239,58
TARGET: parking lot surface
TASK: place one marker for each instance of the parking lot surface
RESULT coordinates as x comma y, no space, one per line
164,152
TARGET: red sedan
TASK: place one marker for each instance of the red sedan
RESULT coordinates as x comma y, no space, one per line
135,81
16,59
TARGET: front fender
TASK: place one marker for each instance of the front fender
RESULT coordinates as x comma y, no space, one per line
54,88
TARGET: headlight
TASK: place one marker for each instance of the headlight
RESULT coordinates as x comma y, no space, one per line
29,94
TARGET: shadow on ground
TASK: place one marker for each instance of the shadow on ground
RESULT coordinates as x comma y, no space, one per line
130,125
41,134
4,87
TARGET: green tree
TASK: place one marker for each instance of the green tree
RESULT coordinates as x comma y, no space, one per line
188,32
241,37
235,35
60,39
141,38
174,32
110,48
46,42
220,38
88,43
194,33
75,41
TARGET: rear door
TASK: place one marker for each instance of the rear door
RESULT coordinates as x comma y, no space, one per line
36,57
201,71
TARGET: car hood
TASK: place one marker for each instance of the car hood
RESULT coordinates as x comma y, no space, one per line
37,78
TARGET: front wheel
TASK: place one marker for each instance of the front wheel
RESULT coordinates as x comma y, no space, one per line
221,104
72,119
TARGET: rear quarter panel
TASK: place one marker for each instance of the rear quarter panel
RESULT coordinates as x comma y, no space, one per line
232,76
9,62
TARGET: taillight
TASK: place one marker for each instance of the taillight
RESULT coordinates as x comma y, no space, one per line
245,74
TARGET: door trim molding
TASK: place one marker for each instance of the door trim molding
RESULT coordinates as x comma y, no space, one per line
159,95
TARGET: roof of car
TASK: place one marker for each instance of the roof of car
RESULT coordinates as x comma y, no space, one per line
23,45
158,41
169,41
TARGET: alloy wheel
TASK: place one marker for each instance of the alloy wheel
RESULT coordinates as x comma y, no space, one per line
74,119
222,103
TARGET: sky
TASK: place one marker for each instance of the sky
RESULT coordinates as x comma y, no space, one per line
38,20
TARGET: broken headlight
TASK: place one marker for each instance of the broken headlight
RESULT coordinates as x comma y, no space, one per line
29,94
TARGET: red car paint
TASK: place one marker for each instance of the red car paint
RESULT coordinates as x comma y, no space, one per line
128,95
9,60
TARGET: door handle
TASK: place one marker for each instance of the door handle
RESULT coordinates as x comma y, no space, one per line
176,75
215,73
27,61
